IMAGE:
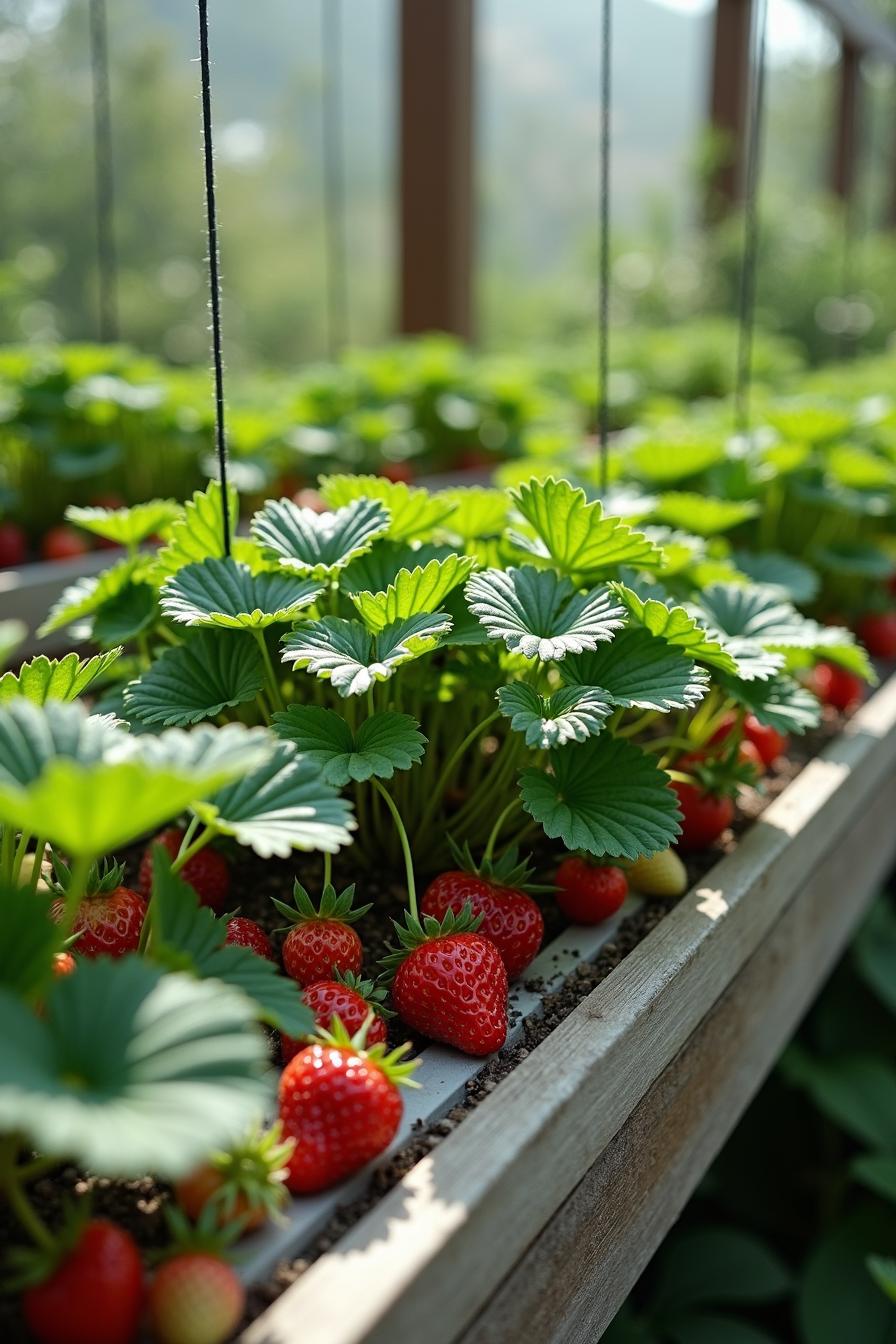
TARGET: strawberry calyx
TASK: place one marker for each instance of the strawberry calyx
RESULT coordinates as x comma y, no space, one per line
27,1266
390,1063
207,1236
102,879
510,870
414,933
252,1173
338,907
720,778
371,991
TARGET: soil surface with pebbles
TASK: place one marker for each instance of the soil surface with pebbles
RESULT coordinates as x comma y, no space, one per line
139,1205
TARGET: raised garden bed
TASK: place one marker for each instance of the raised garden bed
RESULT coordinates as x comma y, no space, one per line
535,1217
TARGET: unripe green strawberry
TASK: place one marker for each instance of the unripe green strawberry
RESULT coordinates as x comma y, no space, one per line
661,874
195,1298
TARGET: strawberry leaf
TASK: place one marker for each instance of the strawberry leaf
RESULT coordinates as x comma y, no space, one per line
281,805
85,597
226,593
413,513
126,526
675,457
124,617
422,589
779,703
539,614
28,939
701,513
374,571
318,545
12,635
477,512
44,678
639,670
859,560
677,627
347,654
384,743
574,534
606,797
176,1071
789,578
211,672
571,714
187,937
198,533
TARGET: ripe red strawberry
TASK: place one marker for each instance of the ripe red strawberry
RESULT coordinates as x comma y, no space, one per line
207,871
835,686
398,472
13,545
110,916
341,1104
704,815
497,892
450,983
877,631
246,933
769,743
321,940
63,543
195,1298
243,1186
588,893
348,998
94,1293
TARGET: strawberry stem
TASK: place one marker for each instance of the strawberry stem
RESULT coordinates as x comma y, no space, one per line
438,790
273,684
496,830
11,1185
186,855
405,845
328,869
75,892
39,851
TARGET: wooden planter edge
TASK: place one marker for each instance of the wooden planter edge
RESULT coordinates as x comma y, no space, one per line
425,1261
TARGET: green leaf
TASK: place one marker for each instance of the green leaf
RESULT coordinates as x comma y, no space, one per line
28,939
125,616
539,614
384,743
86,596
318,545
638,670
346,653
874,952
857,559
878,1173
858,469
789,578
377,568
126,527
187,937
226,593
677,627
857,1092
477,512
198,533
718,1266
701,513
197,680
44,678
883,1271
812,423
571,714
606,796
175,1072
667,460
89,787
280,806
413,512
838,1300
12,636
780,703
574,534
413,591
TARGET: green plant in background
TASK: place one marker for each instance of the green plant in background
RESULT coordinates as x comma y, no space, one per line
793,1233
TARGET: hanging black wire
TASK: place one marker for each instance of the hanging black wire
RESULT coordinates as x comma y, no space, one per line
747,294
211,215
603,317
333,158
106,255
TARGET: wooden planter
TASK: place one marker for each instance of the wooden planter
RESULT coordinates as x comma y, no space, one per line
535,1217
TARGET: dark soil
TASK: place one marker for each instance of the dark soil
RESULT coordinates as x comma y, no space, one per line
138,1205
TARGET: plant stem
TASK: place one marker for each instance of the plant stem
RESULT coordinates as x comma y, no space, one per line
438,790
328,870
636,726
21,1207
496,829
6,854
77,887
187,853
39,851
21,851
273,684
405,845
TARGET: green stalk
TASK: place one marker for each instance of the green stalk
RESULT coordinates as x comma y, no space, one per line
22,1208
436,794
187,853
405,846
39,850
73,897
638,724
273,684
21,851
328,869
6,854
496,830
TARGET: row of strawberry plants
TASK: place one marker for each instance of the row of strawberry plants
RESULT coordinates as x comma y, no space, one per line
486,665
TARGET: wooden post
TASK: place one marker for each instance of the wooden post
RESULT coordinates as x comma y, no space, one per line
729,101
436,166
843,158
